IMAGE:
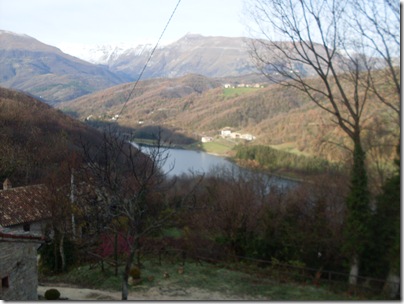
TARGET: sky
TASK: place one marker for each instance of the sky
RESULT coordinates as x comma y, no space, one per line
99,22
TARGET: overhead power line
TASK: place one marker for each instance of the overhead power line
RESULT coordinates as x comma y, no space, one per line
148,60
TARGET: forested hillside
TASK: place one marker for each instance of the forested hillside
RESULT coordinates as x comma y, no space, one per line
275,115
36,138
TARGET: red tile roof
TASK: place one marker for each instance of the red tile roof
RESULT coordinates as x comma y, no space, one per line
23,205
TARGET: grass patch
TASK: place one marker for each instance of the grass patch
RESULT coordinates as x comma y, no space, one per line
203,276
233,92
289,147
173,232
217,147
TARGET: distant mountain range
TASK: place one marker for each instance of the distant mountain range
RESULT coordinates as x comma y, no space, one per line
45,71
208,56
104,54
193,53
182,88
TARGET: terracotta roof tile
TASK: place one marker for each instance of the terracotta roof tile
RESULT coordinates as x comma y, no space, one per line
23,205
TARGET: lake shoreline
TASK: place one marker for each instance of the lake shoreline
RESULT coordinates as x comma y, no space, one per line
194,161
296,179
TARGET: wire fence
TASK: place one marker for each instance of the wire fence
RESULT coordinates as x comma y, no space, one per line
273,270
281,272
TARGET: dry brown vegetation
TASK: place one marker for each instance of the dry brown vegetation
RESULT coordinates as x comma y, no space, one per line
275,115
35,137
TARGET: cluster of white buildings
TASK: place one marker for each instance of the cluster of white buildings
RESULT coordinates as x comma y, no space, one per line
228,133
242,85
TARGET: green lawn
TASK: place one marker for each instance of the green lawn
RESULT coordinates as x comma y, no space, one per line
232,92
202,275
217,147
289,147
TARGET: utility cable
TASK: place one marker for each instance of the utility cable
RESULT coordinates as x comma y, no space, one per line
148,60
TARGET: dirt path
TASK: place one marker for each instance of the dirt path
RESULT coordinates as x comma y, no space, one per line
155,293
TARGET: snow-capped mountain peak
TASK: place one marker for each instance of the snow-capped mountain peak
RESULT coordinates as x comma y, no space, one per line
104,54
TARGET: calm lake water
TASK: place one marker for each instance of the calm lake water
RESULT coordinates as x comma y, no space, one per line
182,161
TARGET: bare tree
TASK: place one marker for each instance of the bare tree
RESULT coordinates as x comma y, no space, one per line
229,205
378,23
61,209
303,38
132,185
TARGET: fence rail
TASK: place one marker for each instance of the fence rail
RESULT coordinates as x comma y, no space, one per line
337,281
283,272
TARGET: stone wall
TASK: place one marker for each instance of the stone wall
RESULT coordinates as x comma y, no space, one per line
35,227
18,269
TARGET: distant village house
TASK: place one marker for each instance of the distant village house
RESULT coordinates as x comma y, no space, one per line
242,85
206,139
248,137
227,133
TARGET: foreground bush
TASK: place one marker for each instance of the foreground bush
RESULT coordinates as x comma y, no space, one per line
52,294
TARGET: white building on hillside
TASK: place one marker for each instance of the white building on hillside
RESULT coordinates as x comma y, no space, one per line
206,139
225,132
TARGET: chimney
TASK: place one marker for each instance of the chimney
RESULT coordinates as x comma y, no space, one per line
7,184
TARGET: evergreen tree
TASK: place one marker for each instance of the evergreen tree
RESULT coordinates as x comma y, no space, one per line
388,230
357,230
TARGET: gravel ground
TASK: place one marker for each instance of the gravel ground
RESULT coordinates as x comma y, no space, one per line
167,293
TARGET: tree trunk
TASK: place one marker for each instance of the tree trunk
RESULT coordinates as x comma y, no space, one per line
116,253
354,272
392,285
55,255
125,286
125,277
357,222
62,252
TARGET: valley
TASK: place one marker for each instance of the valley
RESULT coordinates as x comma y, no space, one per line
321,144
201,107
194,88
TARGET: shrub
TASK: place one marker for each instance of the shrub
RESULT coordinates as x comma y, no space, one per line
47,252
52,294
135,273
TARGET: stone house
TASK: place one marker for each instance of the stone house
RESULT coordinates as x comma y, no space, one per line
23,216
24,208
18,265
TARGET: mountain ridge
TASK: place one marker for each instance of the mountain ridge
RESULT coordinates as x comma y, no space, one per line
212,56
45,71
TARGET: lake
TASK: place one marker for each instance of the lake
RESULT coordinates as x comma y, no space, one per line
180,161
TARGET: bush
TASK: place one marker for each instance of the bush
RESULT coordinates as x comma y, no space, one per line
273,159
52,294
48,260
135,273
